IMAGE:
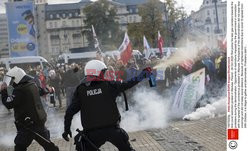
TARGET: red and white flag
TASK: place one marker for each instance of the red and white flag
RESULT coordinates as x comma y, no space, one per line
160,43
187,65
222,44
125,49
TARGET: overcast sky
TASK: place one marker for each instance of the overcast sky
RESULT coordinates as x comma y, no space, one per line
187,4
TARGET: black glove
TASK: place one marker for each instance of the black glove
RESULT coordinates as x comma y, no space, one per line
65,135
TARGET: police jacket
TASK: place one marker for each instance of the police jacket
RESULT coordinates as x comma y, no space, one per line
26,102
97,102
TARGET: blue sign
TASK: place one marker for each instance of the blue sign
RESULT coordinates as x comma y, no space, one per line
21,27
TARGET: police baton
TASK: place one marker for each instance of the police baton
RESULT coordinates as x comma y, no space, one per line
51,146
84,137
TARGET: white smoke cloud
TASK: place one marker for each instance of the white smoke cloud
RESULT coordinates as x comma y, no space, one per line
209,111
7,139
150,110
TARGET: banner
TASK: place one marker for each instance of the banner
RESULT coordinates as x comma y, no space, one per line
191,90
21,27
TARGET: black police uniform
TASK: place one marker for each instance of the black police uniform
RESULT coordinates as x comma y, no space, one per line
100,116
25,101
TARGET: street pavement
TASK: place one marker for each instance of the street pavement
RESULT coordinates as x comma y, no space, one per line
201,135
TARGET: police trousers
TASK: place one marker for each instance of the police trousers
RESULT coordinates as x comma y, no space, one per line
115,135
24,138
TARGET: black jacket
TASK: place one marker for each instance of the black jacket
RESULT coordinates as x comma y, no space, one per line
97,102
26,102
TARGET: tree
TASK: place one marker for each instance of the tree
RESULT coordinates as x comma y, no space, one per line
172,15
102,16
135,33
151,22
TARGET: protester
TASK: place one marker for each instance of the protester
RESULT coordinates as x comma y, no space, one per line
70,81
54,81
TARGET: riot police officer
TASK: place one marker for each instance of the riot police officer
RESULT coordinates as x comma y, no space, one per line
29,113
95,98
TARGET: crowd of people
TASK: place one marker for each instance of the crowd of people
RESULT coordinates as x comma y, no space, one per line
91,88
60,80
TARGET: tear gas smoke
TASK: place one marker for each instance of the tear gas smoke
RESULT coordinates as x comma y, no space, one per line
187,50
55,123
149,111
7,139
209,111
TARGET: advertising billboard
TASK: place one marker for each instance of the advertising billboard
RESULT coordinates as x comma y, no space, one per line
21,26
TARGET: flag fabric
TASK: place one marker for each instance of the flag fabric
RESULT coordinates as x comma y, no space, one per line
97,47
99,55
125,49
187,65
223,44
160,43
147,51
95,37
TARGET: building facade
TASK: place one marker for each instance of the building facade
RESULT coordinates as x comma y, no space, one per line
204,22
4,46
60,28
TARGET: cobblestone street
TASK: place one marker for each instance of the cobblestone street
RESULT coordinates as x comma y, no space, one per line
202,135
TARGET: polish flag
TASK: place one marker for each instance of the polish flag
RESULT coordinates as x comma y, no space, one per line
187,65
160,43
223,44
125,49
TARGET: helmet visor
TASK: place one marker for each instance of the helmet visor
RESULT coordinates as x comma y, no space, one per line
8,80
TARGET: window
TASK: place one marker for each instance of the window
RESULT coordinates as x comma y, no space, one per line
50,25
208,12
208,20
65,36
55,24
70,15
63,23
134,18
63,15
57,15
73,22
130,19
77,22
51,16
208,30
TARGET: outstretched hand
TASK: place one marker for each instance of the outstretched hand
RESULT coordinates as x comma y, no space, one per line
3,86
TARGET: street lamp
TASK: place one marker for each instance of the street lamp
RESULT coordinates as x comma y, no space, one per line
217,31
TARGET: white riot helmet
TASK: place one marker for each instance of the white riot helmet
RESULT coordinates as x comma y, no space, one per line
94,68
15,75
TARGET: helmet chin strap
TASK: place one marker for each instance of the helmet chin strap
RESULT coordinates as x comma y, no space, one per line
102,73
91,78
